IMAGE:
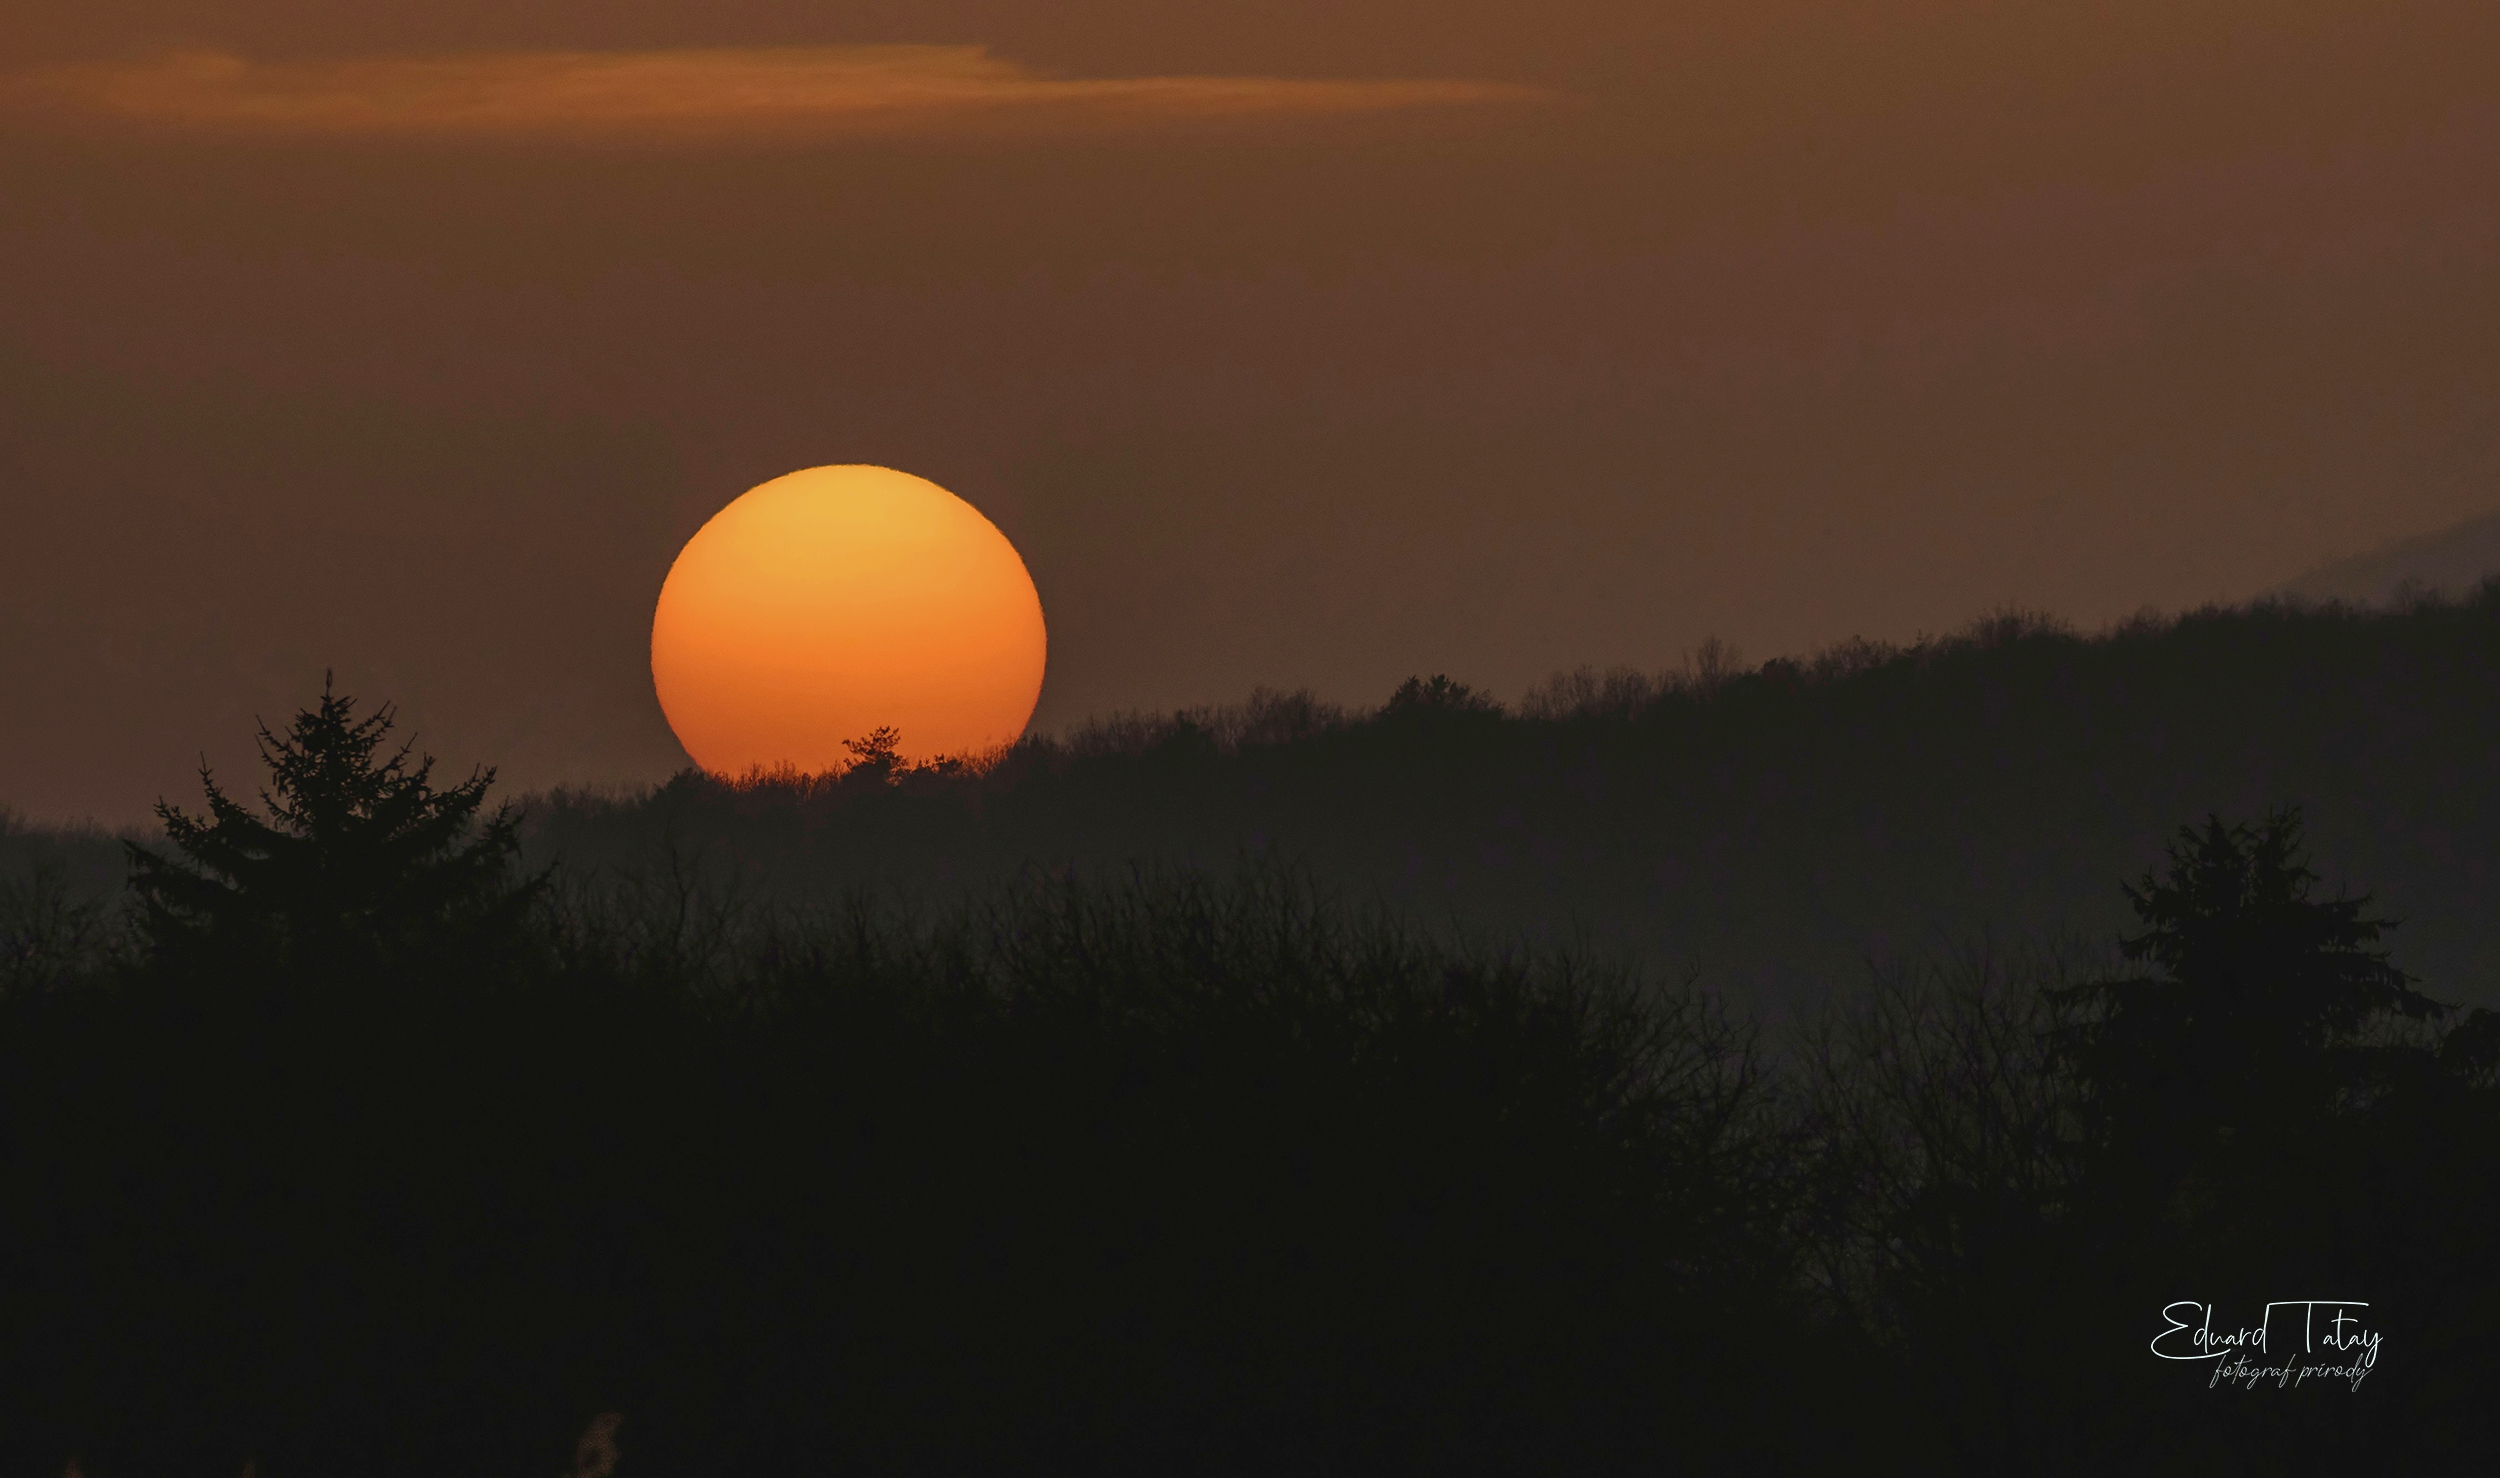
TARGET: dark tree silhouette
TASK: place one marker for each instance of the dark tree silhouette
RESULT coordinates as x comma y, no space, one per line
1439,693
1126,1170
877,758
2262,1002
48,937
359,856
2265,1078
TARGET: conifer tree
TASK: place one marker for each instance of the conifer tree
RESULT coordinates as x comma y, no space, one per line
358,857
2261,1006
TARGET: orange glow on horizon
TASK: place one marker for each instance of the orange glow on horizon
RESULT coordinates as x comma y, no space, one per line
831,602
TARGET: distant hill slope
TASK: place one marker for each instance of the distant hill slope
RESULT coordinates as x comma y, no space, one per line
1775,827
2449,561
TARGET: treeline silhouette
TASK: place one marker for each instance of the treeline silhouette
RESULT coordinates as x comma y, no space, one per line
359,1144
1772,825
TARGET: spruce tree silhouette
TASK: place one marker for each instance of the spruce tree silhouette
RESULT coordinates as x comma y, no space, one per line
360,858
2264,1011
2256,982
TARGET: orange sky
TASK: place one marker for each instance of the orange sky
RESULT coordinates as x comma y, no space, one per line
1775,320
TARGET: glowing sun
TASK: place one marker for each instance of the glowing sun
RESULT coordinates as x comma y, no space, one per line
831,602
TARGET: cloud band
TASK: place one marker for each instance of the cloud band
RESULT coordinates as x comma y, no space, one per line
663,95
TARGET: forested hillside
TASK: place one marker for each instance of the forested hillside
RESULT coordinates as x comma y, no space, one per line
354,1147
1774,826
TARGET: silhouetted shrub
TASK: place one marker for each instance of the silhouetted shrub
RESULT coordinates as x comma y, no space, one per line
49,938
1940,1143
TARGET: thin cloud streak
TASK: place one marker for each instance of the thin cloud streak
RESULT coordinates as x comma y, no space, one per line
823,92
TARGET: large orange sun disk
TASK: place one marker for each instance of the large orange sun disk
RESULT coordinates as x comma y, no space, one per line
831,602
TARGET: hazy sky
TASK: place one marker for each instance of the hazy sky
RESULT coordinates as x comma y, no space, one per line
1311,342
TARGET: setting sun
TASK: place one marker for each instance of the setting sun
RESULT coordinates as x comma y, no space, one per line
838,600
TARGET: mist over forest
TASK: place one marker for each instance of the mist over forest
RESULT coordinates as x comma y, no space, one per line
1773,827
2006,922
1751,1067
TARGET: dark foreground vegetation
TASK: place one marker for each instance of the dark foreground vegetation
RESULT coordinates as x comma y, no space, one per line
356,1146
